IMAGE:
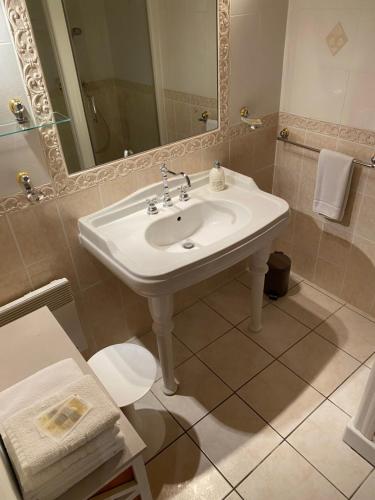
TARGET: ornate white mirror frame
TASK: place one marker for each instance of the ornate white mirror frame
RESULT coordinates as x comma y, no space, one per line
61,182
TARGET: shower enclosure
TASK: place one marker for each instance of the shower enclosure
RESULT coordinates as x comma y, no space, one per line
96,80
131,74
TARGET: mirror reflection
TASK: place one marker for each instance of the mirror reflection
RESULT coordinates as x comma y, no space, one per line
131,74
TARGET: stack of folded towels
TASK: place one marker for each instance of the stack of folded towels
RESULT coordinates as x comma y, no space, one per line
58,426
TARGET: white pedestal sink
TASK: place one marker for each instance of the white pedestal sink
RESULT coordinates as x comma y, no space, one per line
157,255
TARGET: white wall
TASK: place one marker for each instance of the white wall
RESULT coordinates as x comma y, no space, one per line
188,37
93,46
20,151
257,47
129,39
317,84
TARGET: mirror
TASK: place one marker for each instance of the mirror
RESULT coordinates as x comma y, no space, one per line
131,74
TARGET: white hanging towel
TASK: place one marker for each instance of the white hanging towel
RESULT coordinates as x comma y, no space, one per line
332,184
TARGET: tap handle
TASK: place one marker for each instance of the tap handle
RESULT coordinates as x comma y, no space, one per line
183,193
152,209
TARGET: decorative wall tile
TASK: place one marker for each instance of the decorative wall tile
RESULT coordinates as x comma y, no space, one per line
336,39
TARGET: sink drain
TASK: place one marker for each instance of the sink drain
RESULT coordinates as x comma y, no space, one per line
188,245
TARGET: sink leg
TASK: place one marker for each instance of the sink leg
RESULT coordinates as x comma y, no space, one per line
258,269
161,309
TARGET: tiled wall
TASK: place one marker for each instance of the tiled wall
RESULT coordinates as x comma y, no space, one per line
183,113
256,47
127,118
328,78
329,72
40,244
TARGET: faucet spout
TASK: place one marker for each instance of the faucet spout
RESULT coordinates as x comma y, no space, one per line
167,201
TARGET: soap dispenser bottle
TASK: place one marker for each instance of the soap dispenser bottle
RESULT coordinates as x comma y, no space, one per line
217,177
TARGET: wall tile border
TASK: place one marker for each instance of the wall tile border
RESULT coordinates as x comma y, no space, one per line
61,182
356,135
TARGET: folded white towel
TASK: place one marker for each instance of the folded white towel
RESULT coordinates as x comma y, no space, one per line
39,385
57,485
84,454
36,451
332,184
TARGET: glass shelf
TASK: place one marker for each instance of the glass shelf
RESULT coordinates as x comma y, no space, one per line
16,128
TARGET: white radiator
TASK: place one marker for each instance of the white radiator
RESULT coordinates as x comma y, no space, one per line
58,297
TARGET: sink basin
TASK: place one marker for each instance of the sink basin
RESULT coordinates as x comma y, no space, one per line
185,243
201,224
157,255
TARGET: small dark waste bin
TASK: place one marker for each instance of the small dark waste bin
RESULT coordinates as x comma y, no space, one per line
277,279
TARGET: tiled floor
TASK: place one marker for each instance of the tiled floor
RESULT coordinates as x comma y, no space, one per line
261,416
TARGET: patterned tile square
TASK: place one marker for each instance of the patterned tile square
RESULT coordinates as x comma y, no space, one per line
182,471
320,363
336,39
232,301
285,475
235,358
199,392
351,332
245,439
348,395
319,440
280,331
280,397
199,325
308,305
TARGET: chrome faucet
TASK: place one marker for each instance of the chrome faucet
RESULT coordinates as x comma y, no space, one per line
184,196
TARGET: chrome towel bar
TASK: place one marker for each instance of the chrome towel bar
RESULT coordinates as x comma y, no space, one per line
284,137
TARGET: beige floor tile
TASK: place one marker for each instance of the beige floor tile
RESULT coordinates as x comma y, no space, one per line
280,397
182,472
233,496
199,325
181,353
235,358
199,391
285,475
351,332
319,440
370,361
307,304
280,331
232,301
367,490
348,395
245,279
235,439
294,279
157,427
320,363
323,290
